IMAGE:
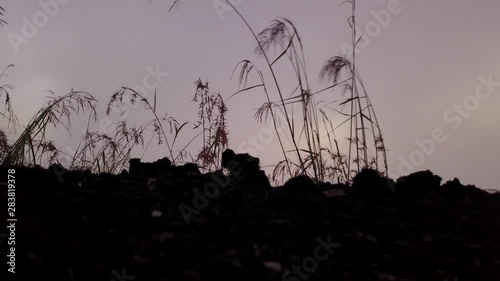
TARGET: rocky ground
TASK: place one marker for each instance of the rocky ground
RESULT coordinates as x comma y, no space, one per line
159,222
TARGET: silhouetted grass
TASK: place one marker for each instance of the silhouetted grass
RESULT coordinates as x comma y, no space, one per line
212,119
304,137
305,149
32,144
8,113
2,14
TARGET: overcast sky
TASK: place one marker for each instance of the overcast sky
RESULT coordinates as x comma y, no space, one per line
417,68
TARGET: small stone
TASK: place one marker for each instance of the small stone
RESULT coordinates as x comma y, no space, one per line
274,265
164,236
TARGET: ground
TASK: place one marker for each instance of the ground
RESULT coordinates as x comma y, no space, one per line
179,225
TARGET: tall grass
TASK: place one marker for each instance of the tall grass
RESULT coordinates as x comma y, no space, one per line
362,111
8,112
309,152
212,120
304,147
32,144
4,145
133,96
96,151
109,152
283,36
104,153
2,14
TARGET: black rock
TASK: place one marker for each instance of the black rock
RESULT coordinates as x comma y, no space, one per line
244,169
239,163
301,185
188,169
456,190
371,180
417,185
149,169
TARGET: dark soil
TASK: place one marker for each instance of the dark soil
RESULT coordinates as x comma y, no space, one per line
160,222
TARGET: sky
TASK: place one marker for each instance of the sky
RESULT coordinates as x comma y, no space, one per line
432,68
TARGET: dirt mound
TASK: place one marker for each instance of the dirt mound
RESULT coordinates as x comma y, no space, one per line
160,222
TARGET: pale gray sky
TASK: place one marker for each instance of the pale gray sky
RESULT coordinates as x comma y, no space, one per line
426,60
